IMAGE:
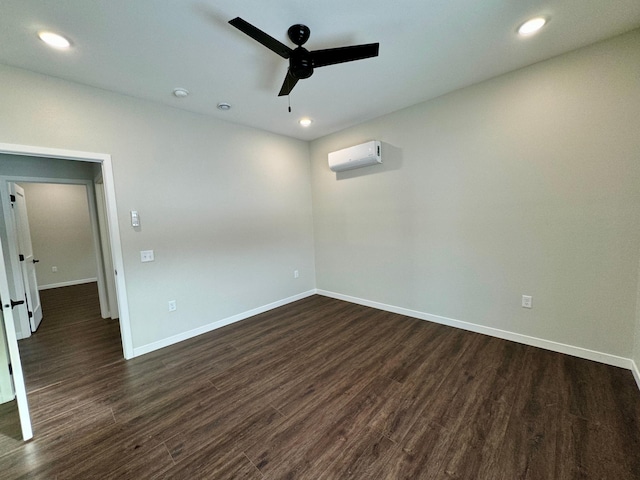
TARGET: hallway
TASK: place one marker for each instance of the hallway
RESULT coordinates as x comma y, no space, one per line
72,341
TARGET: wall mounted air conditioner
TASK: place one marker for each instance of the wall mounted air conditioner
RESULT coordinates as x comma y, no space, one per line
355,157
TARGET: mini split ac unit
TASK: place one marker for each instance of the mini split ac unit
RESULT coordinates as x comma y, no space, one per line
355,157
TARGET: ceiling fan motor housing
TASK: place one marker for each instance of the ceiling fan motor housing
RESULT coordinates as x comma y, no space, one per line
301,63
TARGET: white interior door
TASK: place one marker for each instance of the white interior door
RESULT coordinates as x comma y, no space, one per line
27,259
101,210
14,353
7,394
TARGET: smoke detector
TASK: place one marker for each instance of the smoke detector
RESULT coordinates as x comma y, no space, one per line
180,92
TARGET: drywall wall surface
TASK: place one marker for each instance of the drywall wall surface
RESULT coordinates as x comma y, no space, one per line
61,233
526,184
226,209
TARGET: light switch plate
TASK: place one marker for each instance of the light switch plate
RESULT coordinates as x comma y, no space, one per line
146,256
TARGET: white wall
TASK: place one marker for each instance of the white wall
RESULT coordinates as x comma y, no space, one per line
60,233
525,184
227,209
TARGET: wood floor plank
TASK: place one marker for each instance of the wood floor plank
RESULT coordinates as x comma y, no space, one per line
112,447
10,431
423,456
151,464
465,420
319,388
475,440
212,464
529,446
55,439
306,426
364,457
306,460
225,431
591,450
483,420
399,414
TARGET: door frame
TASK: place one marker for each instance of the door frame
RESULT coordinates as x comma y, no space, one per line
112,220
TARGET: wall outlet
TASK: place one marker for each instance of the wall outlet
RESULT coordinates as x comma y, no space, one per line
172,306
296,274
54,269
527,301
146,256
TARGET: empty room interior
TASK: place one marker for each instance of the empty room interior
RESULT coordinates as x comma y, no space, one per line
321,241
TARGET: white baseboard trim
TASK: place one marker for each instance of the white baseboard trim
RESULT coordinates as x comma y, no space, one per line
150,347
636,372
67,284
580,352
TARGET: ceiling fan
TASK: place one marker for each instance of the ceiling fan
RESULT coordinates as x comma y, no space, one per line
302,61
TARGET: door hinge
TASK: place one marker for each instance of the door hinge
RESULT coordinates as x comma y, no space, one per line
10,369
21,257
30,314
12,198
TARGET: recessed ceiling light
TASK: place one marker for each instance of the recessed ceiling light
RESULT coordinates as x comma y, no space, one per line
181,92
224,106
305,122
54,40
532,26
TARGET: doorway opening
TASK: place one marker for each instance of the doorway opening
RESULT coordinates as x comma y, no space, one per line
60,231
44,165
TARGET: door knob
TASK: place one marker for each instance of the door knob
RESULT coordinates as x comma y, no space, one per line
12,304
15,304
35,260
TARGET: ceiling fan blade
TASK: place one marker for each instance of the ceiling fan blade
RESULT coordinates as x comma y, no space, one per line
261,37
331,56
288,84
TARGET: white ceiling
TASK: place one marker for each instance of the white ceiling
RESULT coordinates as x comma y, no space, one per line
146,48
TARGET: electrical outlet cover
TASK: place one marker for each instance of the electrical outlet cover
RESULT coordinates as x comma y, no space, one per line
146,256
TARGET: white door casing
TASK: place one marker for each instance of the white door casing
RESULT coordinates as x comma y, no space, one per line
14,353
27,258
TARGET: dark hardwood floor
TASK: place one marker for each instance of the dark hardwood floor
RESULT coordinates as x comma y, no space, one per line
319,389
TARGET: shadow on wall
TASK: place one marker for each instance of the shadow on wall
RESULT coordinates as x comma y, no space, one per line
391,160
